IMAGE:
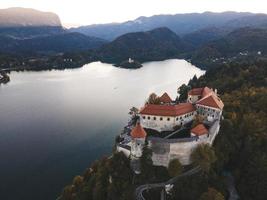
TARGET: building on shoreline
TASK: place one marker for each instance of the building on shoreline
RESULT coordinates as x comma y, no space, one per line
169,130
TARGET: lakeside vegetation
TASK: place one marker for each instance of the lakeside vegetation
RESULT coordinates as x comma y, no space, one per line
240,147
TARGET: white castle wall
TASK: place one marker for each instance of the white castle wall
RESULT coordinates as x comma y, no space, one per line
164,150
165,123
209,112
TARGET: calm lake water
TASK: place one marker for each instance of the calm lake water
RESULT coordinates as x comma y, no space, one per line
53,124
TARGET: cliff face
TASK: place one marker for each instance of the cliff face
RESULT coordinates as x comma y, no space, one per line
21,17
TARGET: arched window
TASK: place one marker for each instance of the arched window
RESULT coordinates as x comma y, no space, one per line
168,119
161,119
154,118
144,117
148,118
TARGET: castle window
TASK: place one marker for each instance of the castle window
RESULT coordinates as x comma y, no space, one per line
148,118
161,119
181,117
154,118
177,118
144,117
168,119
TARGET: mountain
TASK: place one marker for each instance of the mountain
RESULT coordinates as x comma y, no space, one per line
244,40
28,32
57,43
254,21
181,24
21,17
157,44
205,35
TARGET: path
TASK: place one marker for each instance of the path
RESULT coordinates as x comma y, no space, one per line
139,190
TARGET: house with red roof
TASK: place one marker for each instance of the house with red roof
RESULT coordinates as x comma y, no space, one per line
166,117
165,99
207,102
199,130
138,135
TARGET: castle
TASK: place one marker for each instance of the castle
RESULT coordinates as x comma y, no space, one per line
172,129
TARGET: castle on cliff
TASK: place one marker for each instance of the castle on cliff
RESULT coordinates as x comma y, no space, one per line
173,130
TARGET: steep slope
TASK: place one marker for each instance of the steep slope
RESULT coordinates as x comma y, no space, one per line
17,17
156,44
180,23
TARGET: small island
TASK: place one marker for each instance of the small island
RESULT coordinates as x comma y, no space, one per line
129,64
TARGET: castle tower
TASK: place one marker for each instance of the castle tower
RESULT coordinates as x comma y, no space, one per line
138,140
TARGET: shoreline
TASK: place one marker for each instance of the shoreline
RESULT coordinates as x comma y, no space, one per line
4,78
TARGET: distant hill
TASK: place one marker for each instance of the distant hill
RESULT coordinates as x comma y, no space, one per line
65,42
207,34
203,36
245,40
157,44
181,24
21,17
29,32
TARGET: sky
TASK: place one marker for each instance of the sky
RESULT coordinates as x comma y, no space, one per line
85,12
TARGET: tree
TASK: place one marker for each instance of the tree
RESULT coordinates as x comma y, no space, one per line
175,168
153,99
77,182
67,193
211,194
183,92
203,156
146,164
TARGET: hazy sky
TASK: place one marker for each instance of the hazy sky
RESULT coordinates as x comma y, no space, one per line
103,11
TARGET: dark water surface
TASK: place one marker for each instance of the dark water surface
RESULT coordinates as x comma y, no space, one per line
53,124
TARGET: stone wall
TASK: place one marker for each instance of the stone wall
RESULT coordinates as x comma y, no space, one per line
164,150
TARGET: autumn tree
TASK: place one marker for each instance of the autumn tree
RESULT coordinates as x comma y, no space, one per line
211,194
183,92
175,168
153,99
203,156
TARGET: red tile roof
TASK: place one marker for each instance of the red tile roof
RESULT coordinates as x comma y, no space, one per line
196,91
211,101
167,110
165,98
138,131
206,91
200,91
200,129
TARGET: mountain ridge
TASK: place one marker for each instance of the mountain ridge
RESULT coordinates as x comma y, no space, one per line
181,24
22,17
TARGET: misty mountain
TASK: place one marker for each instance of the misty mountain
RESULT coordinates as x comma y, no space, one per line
181,24
17,17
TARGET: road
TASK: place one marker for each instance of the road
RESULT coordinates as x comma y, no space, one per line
139,190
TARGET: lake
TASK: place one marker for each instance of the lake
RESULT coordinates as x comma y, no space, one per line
55,123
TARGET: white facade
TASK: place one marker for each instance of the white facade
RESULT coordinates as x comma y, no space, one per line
165,123
137,145
193,98
209,113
